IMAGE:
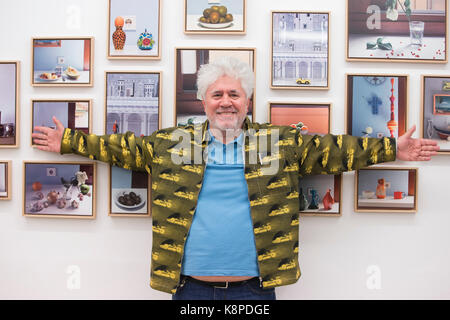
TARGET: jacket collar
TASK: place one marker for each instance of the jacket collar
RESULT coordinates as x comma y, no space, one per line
205,135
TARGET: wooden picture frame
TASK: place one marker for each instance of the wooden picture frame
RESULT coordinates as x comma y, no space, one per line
69,65
9,104
200,19
142,41
311,118
134,185
51,189
187,104
435,126
5,179
315,117
42,111
376,33
131,95
373,189
382,105
300,50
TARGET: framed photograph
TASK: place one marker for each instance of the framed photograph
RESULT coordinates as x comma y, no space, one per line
73,114
310,118
188,106
436,110
5,179
214,16
59,189
377,105
134,29
397,30
62,62
320,195
300,50
129,193
9,104
133,102
386,189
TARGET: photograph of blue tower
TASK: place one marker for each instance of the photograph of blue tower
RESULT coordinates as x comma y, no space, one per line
300,50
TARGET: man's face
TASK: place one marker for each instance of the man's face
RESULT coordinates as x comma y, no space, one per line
226,104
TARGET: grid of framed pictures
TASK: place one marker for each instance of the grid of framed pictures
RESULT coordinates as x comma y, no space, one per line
376,104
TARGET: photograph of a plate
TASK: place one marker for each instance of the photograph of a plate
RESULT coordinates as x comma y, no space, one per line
130,208
49,80
216,25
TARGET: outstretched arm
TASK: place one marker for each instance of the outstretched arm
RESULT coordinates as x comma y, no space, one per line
410,149
122,150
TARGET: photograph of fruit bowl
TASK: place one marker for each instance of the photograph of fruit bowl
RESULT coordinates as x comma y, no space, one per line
225,16
72,73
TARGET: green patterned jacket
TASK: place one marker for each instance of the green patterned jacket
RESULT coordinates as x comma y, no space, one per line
273,197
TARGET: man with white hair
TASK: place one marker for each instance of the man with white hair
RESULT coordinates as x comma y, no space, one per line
225,223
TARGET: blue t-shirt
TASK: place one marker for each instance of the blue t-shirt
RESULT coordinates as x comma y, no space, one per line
221,240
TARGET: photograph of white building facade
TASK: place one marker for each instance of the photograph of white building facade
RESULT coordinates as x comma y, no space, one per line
132,103
300,49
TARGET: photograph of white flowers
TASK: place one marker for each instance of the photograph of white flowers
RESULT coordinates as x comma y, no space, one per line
59,189
377,105
397,30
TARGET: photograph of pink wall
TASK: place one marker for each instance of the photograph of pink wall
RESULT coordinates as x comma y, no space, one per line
397,30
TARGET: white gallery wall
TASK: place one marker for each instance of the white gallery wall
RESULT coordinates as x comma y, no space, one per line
354,256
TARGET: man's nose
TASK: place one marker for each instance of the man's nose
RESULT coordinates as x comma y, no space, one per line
226,101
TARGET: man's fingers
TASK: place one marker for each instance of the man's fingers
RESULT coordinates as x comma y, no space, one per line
43,148
45,130
39,136
428,142
430,148
410,131
42,142
58,123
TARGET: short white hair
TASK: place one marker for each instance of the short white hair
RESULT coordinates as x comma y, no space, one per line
225,66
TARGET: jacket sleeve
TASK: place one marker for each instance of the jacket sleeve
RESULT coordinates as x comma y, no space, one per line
333,154
122,150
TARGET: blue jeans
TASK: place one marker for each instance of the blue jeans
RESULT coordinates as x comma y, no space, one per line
250,290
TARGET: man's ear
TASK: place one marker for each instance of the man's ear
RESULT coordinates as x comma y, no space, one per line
204,104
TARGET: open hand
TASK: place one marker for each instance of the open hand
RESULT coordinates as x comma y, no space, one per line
410,149
48,139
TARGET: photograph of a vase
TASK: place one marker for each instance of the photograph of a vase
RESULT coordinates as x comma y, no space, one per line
214,16
9,103
300,50
62,62
59,189
436,110
188,106
320,195
133,102
386,189
397,30
134,29
73,114
129,193
376,105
